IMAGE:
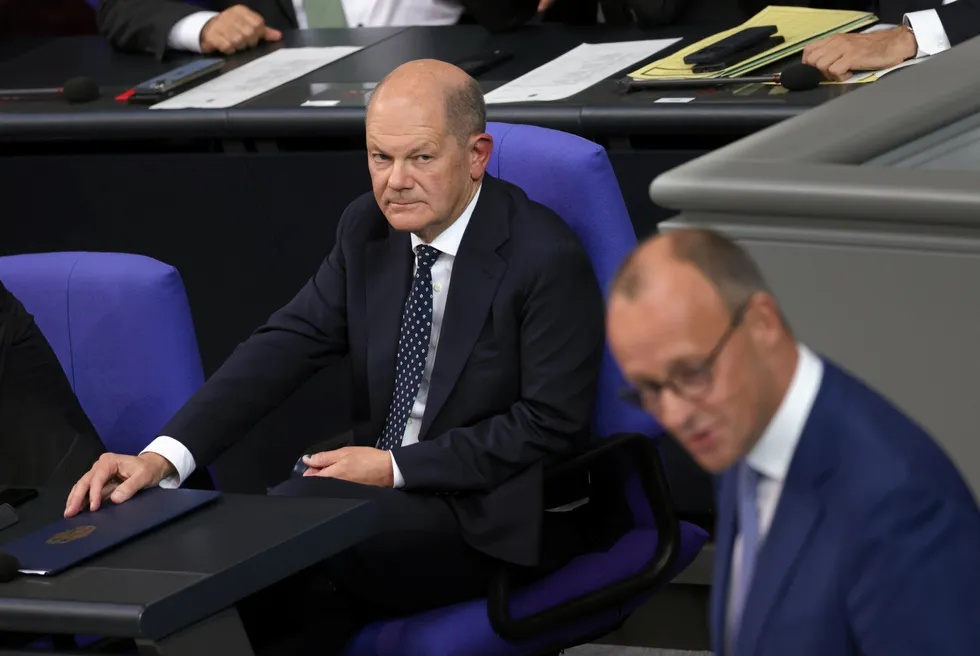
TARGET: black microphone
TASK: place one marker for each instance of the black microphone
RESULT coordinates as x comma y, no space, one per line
9,566
798,77
75,90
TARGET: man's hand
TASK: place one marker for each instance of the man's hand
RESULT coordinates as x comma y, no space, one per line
357,464
544,4
234,29
118,478
838,55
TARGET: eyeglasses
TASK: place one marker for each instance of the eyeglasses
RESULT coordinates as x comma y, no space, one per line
689,382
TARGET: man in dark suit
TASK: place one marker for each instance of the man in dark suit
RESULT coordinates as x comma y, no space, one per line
927,27
227,26
45,436
473,322
842,528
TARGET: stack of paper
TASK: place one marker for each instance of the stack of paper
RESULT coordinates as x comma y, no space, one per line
797,25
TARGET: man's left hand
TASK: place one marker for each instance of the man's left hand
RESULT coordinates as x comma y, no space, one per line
837,56
357,464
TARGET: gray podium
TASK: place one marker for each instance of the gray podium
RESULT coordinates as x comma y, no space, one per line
865,216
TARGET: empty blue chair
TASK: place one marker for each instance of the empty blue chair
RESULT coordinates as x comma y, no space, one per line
121,328
596,592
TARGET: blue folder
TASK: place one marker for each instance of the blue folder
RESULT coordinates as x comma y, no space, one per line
67,542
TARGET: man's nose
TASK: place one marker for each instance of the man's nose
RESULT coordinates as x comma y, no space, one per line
401,176
674,412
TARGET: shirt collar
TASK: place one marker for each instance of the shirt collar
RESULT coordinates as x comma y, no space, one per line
449,239
773,453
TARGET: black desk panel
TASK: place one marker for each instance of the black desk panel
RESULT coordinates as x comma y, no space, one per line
182,572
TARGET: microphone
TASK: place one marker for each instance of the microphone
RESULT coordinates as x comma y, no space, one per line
75,90
798,77
9,566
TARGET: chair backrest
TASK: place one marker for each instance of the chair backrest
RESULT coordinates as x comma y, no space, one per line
573,177
121,328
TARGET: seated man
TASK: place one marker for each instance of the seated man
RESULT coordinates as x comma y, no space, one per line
842,527
45,437
155,25
926,29
473,321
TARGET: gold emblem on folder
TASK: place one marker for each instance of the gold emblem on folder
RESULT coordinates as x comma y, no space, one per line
71,535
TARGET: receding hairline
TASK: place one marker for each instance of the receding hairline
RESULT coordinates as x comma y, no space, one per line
727,267
464,108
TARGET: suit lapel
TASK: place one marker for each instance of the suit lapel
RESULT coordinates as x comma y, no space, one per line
798,514
289,10
477,270
724,543
388,275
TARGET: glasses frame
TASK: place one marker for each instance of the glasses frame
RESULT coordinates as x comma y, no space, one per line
634,395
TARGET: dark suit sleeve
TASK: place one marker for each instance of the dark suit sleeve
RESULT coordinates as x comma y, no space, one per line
961,20
501,15
141,25
561,342
912,584
300,339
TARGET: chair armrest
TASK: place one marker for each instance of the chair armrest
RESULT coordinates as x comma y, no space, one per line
645,458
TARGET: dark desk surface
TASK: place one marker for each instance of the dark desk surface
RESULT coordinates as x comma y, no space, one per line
182,572
598,111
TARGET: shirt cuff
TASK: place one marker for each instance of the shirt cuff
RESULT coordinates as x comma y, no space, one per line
179,457
396,473
929,32
186,33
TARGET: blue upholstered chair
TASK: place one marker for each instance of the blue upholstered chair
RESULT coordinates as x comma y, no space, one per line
596,592
121,328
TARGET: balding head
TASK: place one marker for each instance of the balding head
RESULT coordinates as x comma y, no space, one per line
695,329
427,145
435,82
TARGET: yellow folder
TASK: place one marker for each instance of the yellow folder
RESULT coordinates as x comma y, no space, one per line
797,25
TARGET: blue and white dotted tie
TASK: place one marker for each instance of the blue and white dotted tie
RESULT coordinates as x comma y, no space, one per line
413,346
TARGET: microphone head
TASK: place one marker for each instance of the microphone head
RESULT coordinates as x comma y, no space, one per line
800,77
8,567
80,90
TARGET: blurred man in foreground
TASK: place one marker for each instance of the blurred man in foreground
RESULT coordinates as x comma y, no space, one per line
842,528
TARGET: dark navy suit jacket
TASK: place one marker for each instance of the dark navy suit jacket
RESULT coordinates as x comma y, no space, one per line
515,374
874,546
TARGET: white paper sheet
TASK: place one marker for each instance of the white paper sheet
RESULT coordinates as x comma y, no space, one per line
320,103
672,100
857,77
256,77
576,70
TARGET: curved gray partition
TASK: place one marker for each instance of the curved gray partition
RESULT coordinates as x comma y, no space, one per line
865,215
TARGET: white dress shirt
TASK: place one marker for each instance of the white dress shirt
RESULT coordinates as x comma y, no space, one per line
929,32
186,33
772,454
448,244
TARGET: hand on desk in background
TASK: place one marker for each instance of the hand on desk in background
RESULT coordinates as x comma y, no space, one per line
118,478
234,29
839,55
357,464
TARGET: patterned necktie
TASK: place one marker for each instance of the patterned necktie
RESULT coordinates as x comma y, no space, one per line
413,346
748,523
325,13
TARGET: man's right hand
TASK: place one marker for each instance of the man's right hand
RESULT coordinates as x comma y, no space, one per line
117,478
234,29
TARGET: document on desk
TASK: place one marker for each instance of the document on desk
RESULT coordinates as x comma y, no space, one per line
256,77
576,70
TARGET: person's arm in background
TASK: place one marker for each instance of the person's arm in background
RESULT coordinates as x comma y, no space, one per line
155,25
923,33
